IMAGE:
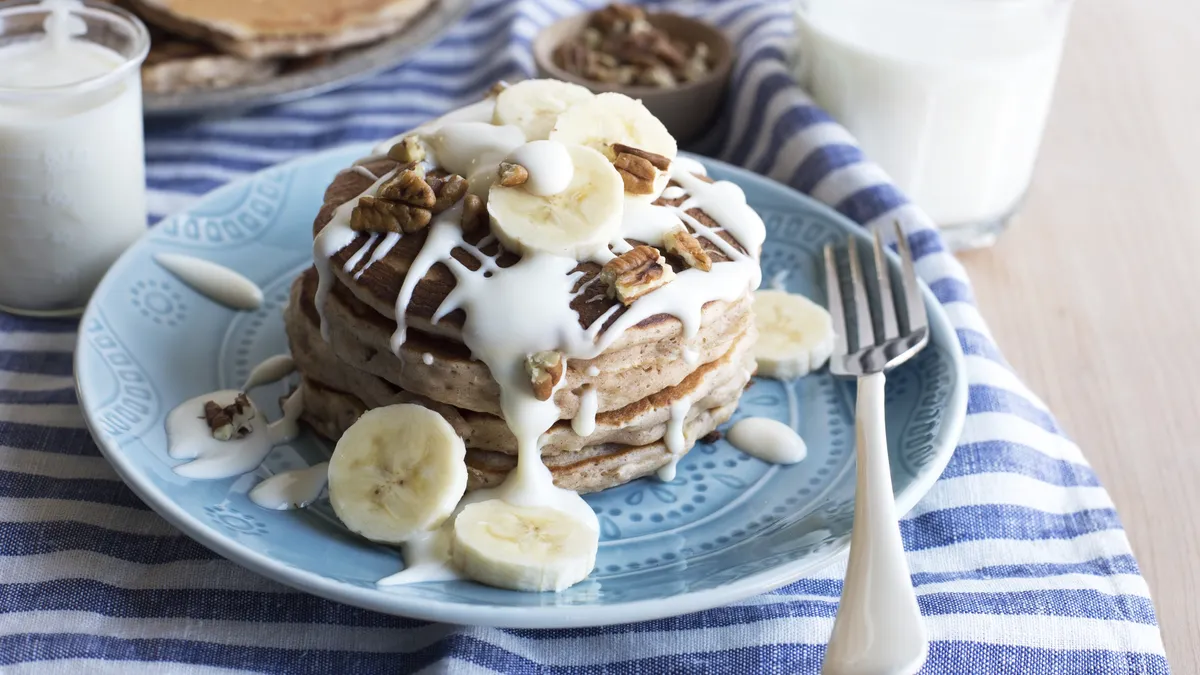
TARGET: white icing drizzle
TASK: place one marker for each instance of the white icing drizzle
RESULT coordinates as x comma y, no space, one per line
646,222
273,369
335,236
384,248
584,422
691,355
427,359
360,170
502,326
294,489
217,282
473,150
767,439
592,371
549,166
359,255
674,437
189,437
426,558
673,192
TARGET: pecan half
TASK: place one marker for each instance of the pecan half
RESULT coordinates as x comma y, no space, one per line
407,151
681,242
637,173
409,187
658,161
474,215
635,273
379,215
512,174
545,370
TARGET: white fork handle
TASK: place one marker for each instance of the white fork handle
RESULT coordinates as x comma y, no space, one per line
878,630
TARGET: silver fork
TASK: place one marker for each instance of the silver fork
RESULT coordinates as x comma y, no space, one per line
878,629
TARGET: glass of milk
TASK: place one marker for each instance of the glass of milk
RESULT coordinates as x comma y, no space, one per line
949,96
72,167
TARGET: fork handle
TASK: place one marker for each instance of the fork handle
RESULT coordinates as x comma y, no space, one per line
878,629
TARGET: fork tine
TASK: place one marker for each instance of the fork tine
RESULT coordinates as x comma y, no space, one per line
887,304
913,301
834,292
862,304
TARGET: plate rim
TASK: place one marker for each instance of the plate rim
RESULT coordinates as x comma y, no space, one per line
541,616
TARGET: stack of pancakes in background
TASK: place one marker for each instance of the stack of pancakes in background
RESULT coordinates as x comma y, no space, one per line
645,389
209,44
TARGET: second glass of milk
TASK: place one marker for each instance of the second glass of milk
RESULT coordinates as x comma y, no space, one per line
950,97
72,168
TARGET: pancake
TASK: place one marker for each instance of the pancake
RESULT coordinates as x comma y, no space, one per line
638,423
653,374
622,376
175,65
272,28
330,412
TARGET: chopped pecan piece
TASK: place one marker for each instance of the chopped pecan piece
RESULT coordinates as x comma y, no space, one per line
379,215
407,151
474,215
681,242
495,89
512,174
545,370
409,187
449,189
231,421
621,45
218,421
635,273
617,17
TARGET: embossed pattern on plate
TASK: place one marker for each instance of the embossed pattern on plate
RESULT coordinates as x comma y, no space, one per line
727,527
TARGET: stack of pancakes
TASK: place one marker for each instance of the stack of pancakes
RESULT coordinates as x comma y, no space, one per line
221,43
640,382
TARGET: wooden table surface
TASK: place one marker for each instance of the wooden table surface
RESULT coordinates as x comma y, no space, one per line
1094,294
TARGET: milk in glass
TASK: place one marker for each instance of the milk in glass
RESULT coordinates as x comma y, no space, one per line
72,177
949,96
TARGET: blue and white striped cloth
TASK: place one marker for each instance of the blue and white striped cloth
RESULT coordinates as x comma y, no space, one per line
1019,559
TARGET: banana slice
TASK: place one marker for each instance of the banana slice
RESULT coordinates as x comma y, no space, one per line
795,335
534,105
611,118
574,223
523,548
397,472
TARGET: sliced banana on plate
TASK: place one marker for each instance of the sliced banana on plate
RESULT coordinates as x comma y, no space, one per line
612,118
397,472
795,335
522,548
534,105
574,223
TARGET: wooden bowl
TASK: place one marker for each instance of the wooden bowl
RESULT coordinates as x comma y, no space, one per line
686,110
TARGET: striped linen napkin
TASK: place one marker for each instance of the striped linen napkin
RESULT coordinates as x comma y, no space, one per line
1019,559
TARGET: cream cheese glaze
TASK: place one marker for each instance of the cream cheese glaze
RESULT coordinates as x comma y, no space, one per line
215,281
501,327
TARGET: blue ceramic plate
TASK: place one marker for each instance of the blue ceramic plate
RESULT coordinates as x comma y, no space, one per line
729,526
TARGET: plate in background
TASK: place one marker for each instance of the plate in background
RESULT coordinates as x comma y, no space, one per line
728,526
347,67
